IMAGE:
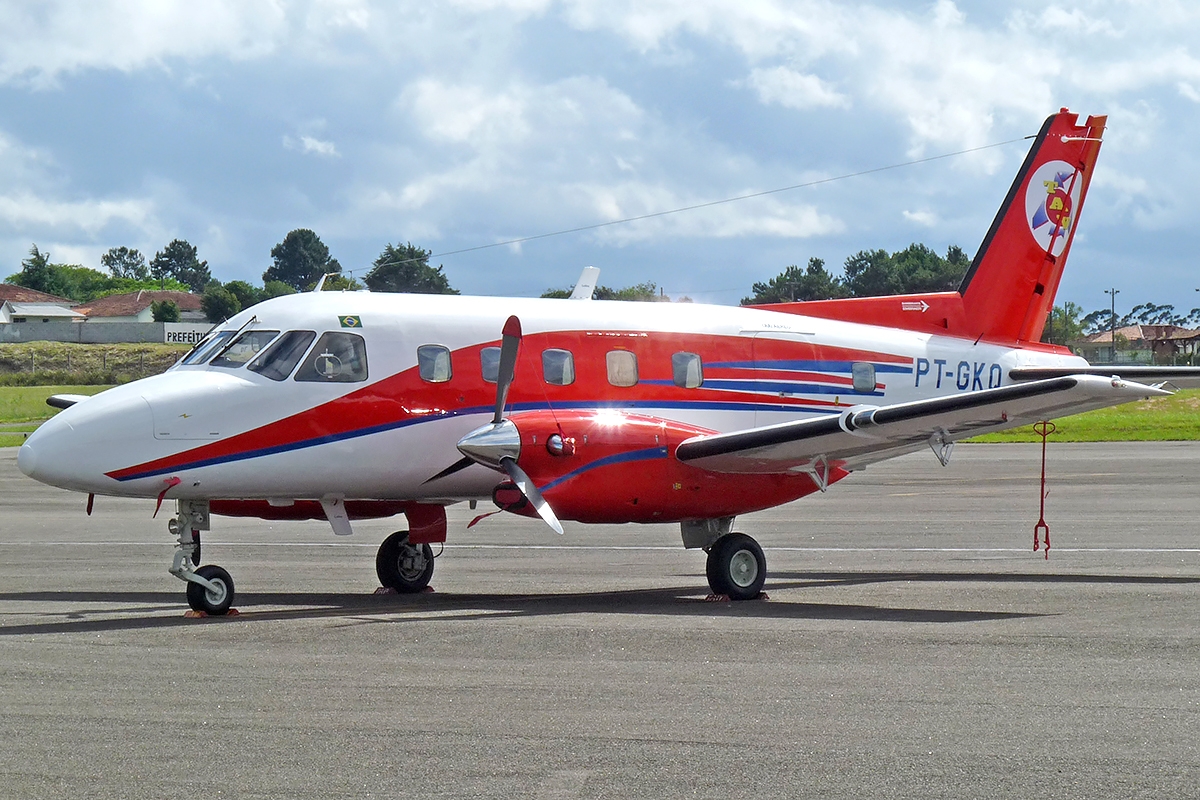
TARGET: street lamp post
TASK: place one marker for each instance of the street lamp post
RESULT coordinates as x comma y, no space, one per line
1112,293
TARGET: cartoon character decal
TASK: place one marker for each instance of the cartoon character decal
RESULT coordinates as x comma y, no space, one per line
1050,203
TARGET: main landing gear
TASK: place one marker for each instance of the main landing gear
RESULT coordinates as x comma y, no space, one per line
209,588
404,567
736,565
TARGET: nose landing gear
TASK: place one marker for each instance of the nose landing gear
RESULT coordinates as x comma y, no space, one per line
209,588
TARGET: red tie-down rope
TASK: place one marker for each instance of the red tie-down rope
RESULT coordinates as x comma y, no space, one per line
1043,429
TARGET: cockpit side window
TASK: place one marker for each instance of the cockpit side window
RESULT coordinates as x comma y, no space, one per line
337,358
203,351
244,349
283,356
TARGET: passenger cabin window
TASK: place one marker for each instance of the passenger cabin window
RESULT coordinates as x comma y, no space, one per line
244,349
863,375
622,368
558,367
489,363
687,370
337,358
283,356
433,362
203,351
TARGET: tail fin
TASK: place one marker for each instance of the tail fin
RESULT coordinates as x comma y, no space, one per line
1009,289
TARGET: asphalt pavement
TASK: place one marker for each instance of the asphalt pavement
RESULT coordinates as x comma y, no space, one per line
913,646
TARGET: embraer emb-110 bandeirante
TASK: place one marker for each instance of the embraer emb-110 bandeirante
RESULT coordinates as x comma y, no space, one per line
356,405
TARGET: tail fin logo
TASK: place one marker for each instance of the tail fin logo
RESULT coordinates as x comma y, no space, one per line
1050,203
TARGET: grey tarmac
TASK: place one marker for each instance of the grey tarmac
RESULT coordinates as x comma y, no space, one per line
913,646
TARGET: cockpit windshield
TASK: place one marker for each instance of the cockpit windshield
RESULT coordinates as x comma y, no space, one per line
203,351
245,348
283,356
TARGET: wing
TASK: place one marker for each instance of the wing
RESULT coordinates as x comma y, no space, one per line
1181,377
863,435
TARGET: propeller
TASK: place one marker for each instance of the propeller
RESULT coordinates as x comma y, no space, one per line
510,342
498,444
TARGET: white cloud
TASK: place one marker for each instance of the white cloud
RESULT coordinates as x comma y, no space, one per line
310,144
792,89
45,40
925,218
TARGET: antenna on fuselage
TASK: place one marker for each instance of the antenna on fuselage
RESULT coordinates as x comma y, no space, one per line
586,285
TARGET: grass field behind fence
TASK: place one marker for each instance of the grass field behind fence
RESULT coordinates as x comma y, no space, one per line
50,363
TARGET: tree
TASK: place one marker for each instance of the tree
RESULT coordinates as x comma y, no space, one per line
811,283
164,311
121,262
340,283
871,273
919,269
406,268
219,303
37,273
644,292
246,294
178,260
300,260
1065,324
276,289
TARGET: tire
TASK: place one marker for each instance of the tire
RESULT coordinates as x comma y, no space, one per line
404,567
736,567
201,599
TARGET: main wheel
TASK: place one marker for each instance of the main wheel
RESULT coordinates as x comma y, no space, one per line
214,602
404,567
736,567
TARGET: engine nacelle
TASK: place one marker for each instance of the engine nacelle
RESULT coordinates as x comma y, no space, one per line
612,466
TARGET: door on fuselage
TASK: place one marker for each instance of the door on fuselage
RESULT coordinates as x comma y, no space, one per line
791,381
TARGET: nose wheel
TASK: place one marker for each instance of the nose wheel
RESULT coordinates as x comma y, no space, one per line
402,566
215,597
209,588
736,567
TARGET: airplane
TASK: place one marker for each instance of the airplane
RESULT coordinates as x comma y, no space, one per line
355,405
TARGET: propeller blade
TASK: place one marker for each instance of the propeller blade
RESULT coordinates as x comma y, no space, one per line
509,343
518,476
457,466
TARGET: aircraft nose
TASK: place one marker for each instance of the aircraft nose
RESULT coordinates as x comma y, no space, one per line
75,449
27,459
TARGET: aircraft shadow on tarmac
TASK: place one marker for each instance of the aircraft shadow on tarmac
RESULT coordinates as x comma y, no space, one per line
114,611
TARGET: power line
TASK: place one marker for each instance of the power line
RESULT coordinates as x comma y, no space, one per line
712,203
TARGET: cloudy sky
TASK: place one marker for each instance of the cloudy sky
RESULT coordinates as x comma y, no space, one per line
458,124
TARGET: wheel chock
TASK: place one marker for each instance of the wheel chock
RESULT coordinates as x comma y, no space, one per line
193,614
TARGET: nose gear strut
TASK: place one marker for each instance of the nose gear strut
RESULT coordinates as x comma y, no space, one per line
210,589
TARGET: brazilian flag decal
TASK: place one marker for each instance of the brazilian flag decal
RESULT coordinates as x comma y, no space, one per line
350,322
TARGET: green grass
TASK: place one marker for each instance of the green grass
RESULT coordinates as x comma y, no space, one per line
1159,419
50,363
28,403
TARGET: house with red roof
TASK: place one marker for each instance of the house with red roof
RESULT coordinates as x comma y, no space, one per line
136,306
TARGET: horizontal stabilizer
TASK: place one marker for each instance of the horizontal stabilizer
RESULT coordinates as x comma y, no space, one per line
1181,377
64,400
867,434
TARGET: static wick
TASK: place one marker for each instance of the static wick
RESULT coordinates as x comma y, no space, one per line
1042,530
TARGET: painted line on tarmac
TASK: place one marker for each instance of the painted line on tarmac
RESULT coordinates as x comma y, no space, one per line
223,544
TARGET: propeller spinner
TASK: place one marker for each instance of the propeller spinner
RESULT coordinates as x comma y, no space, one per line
498,444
